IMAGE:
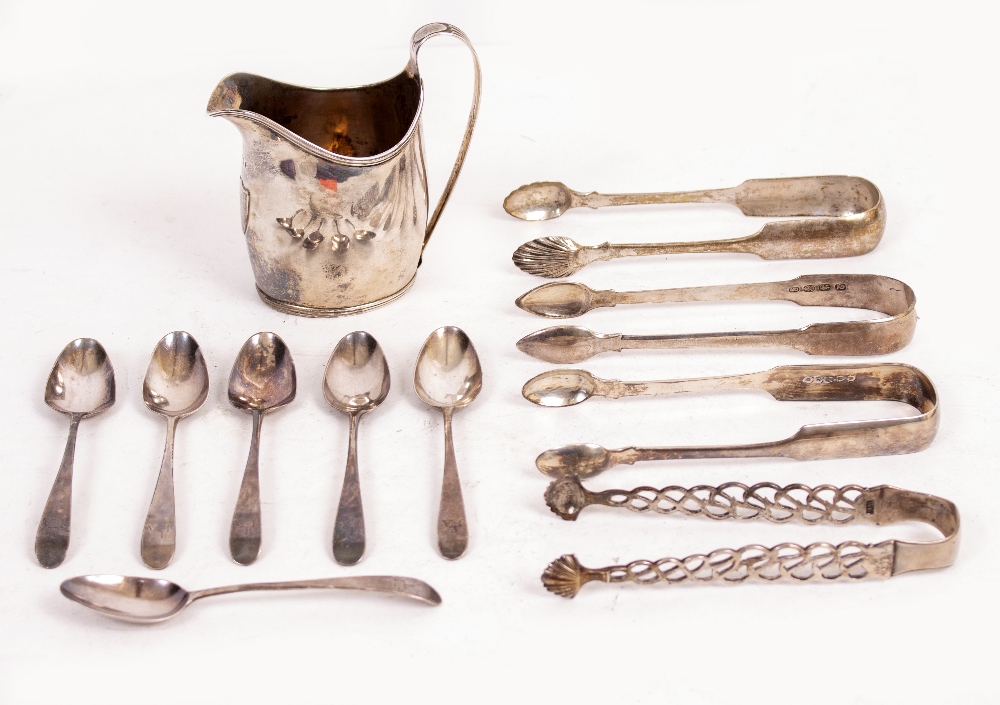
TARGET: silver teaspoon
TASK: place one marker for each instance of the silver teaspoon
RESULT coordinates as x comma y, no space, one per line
263,379
449,376
176,385
156,600
81,384
356,381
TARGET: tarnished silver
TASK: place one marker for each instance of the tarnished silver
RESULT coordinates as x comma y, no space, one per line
838,505
448,376
885,381
80,385
570,344
263,379
870,291
816,196
176,385
356,381
334,187
146,600
857,439
846,219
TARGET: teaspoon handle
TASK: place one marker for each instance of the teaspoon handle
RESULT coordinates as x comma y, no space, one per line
453,531
349,528
406,587
244,534
159,533
52,537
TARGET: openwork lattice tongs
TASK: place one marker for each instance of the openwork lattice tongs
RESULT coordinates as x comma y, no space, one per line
855,439
837,505
846,217
569,344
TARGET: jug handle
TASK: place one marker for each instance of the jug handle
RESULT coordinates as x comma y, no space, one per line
419,37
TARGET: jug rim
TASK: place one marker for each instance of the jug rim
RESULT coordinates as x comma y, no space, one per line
311,147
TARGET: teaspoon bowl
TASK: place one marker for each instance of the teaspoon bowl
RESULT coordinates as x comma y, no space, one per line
176,382
558,300
357,374
263,376
560,388
580,459
82,380
448,373
148,600
543,200
130,598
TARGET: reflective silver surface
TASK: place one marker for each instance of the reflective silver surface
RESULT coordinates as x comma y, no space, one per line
846,217
857,439
448,375
563,300
830,196
176,385
570,344
869,291
565,387
81,384
135,599
849,560
263,379
334,196
356,381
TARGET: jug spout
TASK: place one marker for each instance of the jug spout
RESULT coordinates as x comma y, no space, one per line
226,95
227,99
369,122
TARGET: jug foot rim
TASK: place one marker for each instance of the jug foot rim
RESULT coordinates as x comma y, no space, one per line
313,312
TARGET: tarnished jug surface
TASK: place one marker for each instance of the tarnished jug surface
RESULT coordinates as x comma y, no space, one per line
334,186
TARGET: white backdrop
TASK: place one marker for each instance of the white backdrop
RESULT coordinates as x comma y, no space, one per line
120,221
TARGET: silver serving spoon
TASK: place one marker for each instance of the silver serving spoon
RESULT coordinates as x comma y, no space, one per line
156,600
356,381
81,384
176,385
449,376
263,379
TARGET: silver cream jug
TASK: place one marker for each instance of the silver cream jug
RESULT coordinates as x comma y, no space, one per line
334,187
